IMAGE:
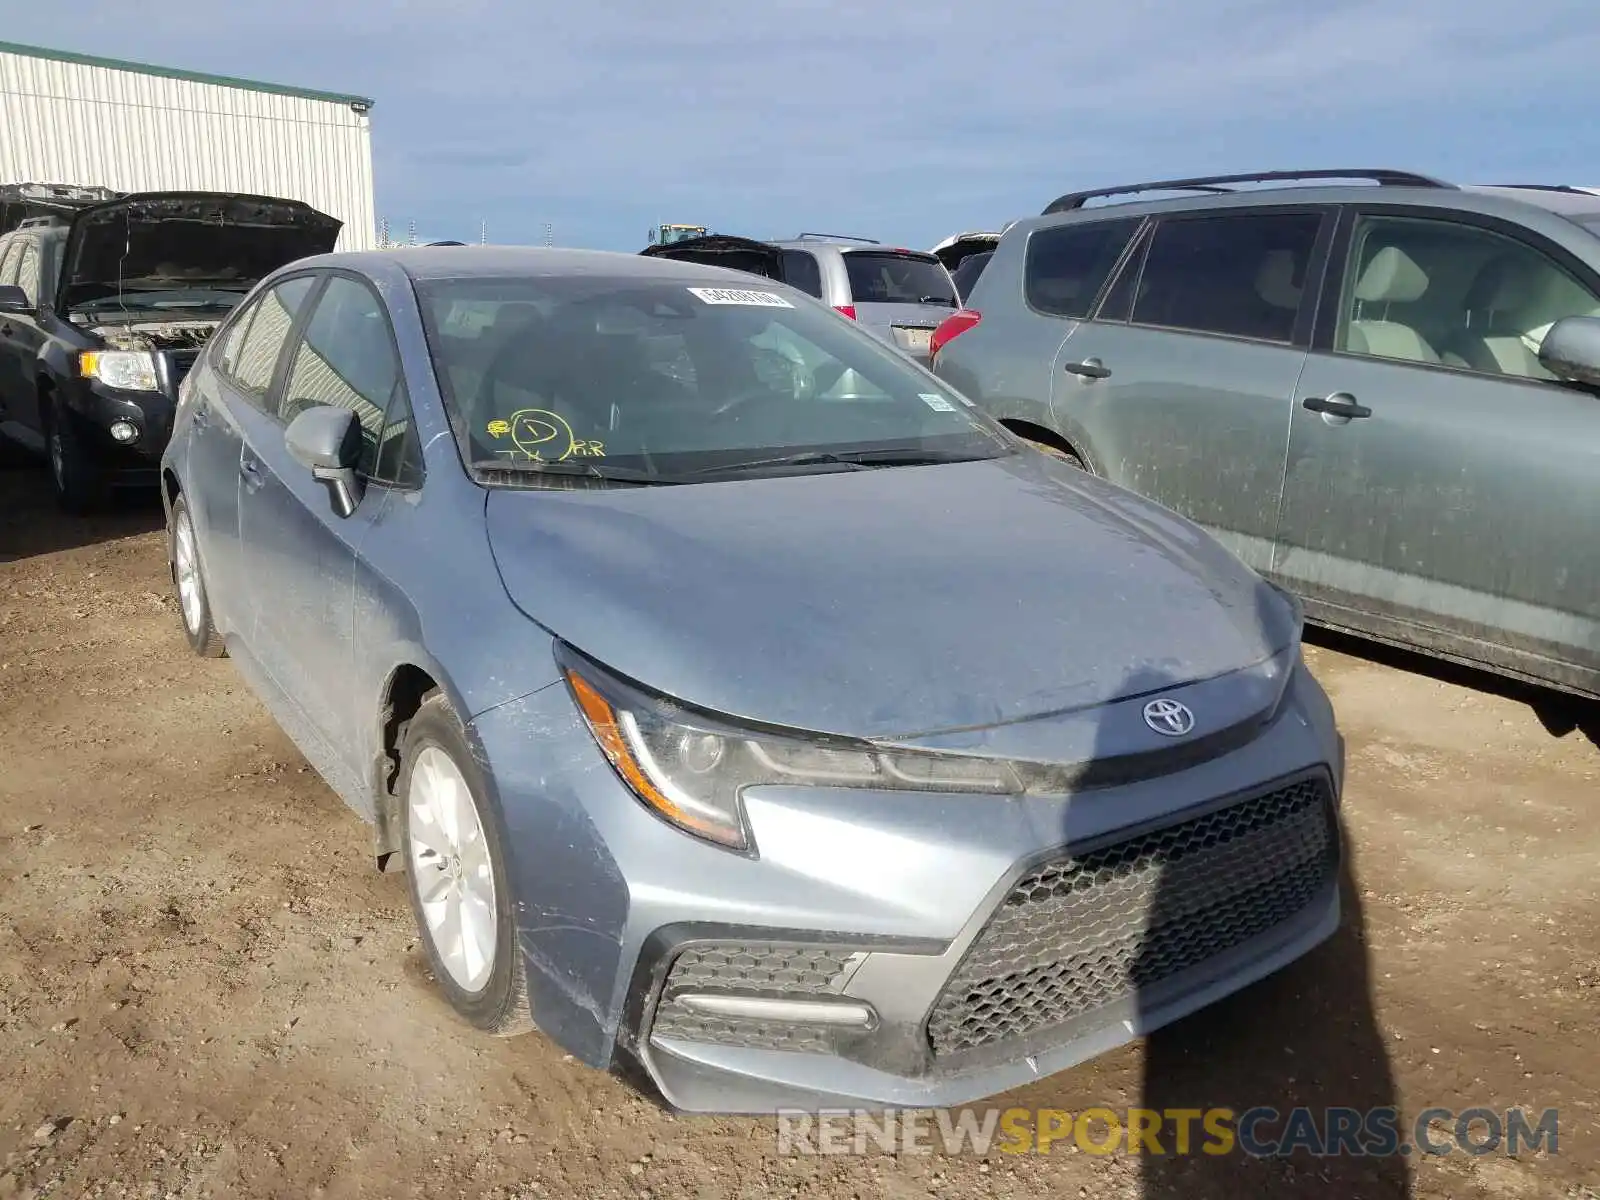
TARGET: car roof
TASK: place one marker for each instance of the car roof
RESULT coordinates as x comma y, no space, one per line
457,262
1490,200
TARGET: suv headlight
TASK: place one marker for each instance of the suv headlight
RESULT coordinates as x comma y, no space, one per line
125,370
690,768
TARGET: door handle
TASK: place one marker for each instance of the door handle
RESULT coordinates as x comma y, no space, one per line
6,330
201,418
250,472
1089,368
1340,404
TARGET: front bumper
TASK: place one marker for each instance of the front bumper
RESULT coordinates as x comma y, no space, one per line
941,950
98,407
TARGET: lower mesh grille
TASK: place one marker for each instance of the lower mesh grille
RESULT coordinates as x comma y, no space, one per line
1085,931
748,969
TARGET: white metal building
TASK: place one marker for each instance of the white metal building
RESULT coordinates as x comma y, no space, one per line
75,118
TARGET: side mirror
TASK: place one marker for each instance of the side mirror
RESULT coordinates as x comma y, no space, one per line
13,299
1571,350
326,440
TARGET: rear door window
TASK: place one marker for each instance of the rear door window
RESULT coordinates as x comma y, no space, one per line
891,277
251,359
1066,266
800,270
1236,274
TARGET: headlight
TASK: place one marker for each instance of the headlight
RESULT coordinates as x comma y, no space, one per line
691,769
126,370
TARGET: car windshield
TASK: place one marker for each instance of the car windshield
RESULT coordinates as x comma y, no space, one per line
891,277
639,381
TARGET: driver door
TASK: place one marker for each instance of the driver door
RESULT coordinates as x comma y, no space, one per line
304,623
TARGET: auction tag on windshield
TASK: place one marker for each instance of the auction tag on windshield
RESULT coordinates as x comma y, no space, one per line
739,296
936,402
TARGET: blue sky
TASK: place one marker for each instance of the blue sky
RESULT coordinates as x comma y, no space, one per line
896,120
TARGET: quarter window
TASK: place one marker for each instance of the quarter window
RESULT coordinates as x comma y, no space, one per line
1441,292
9,261
1236,274
347,358
250,355
800,270
1066,266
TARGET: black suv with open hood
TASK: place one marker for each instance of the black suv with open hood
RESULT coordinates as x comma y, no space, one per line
105,302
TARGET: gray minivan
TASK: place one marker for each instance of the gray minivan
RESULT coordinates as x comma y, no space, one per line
898,295
1385,398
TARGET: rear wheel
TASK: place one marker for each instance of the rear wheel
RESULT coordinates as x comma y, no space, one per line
456,874
76,474
194,605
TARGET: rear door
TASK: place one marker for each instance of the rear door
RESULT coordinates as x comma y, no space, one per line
900,295
1440,486
229,392
1180,386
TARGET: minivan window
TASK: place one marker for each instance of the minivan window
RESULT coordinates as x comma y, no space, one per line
1066,266
800,270
652,381
967,271
1237,274
888,277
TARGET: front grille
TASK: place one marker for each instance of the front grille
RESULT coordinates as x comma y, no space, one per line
1085,931
749,969
182,363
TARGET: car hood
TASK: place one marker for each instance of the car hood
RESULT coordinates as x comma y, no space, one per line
892,602
179,240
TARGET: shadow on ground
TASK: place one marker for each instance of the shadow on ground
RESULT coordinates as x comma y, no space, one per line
1559,712
30,522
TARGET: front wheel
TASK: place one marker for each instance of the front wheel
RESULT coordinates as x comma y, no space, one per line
76,474
456,874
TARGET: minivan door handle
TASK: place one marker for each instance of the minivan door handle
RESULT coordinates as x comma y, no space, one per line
1340,404
250,471
1089,368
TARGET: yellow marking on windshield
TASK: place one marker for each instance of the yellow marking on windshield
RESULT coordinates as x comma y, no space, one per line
539,435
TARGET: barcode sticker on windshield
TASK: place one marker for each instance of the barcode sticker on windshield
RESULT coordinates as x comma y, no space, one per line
937,403
739,296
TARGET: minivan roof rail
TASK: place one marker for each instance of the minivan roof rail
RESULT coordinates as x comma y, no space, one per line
1541,187
837,237
1217,183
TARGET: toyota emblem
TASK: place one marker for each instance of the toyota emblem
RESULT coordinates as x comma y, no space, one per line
1168,717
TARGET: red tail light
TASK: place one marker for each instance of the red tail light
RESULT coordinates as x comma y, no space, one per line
951,328
848,310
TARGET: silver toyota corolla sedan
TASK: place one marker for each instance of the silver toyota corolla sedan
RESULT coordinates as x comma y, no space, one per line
743,706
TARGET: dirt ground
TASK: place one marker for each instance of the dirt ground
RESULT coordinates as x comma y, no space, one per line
205,990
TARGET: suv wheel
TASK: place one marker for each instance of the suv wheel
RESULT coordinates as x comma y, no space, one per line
76,476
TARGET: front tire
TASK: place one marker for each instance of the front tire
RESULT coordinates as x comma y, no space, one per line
456,874
194,605
76,475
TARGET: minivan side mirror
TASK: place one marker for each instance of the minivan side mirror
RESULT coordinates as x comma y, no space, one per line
1571,350
13,299
326,440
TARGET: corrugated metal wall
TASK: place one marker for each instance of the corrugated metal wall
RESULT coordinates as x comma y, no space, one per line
63,122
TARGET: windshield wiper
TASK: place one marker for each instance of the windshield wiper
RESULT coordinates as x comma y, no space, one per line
851,460
571,466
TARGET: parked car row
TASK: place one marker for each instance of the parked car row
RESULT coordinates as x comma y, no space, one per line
780,710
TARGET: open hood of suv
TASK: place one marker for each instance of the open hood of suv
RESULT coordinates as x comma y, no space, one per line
179,241
724,250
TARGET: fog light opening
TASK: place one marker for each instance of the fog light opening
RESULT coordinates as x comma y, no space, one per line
124,431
